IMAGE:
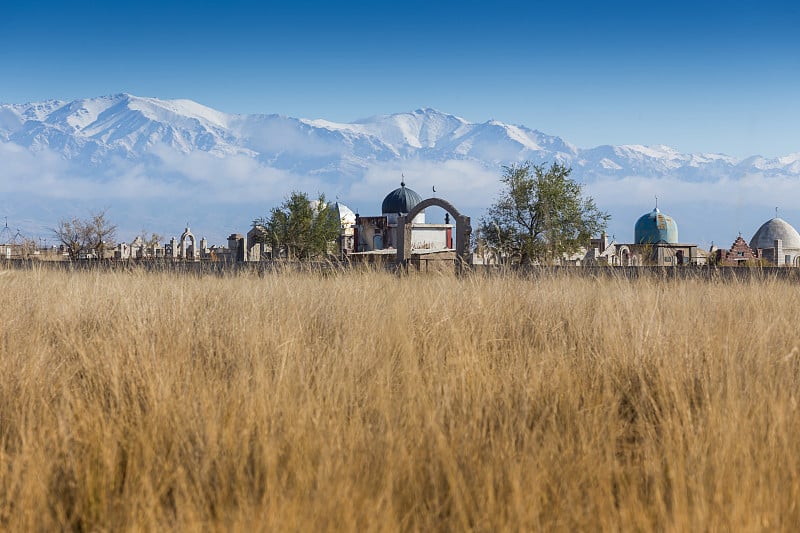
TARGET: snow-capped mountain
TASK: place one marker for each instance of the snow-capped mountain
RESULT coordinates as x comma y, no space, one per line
123,125
162,163
94,129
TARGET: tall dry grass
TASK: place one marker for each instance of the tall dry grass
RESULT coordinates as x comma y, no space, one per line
364,401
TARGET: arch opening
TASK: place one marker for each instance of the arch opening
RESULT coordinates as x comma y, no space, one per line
463,230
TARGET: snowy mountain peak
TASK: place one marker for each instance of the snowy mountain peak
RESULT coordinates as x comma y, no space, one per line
429,112
157,109
121,124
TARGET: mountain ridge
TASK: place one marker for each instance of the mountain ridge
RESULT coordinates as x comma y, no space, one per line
90,130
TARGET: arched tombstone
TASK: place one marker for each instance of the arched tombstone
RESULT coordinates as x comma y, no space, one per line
189,251
463,231
625,256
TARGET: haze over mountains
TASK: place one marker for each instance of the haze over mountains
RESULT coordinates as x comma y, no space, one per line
157,164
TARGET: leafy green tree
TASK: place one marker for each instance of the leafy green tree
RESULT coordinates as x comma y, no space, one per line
541,214
300,228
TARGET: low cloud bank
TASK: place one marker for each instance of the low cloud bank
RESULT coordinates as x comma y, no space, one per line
165,190
706,211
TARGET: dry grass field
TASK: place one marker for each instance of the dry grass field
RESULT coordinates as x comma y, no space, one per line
364,401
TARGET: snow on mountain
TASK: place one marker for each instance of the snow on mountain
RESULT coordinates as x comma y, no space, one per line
420,129
788,164
126,125
93,130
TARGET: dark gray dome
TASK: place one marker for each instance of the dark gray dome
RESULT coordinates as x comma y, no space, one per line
400,200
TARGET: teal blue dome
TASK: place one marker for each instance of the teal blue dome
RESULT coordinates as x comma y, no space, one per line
656,228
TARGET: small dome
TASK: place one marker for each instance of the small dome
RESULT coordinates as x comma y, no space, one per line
777,228
344,214
655,227
400,200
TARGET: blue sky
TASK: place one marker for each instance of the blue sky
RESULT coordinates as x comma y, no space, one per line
699,76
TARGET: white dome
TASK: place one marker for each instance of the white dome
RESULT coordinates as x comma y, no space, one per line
346,214
777,228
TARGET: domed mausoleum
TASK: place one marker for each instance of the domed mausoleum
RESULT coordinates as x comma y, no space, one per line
655,243
655,228
777,242
399,202
377,235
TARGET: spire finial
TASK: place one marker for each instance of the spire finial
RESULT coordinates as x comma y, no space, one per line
776,212
656,201
402,180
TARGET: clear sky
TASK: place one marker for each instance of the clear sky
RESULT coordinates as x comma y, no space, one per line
715,76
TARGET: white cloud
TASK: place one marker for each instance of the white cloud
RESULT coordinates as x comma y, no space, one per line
749,192
705,211
167,188
466,184
276,135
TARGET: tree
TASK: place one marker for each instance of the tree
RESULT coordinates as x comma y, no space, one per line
94,234
153,241
301,228
101,233
541,214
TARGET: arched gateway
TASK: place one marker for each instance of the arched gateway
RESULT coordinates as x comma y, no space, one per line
463,230
188,251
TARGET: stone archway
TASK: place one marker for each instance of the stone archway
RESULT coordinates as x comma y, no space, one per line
463,230
625,256
188,251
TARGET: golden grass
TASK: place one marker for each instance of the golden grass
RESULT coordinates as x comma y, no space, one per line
364,401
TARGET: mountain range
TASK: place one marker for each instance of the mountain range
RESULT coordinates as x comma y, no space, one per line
94,129
122,142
